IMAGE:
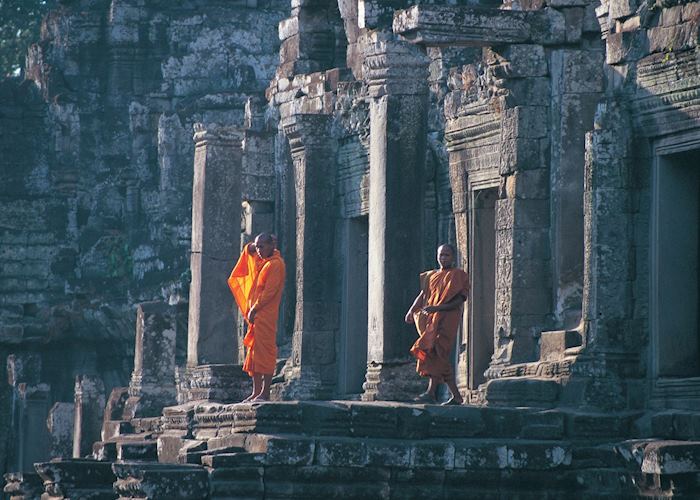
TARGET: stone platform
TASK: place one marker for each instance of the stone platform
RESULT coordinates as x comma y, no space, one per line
343,449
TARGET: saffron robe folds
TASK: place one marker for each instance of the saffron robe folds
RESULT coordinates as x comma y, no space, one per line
438,331
259,282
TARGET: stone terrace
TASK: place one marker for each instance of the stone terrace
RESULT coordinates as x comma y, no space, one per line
347,449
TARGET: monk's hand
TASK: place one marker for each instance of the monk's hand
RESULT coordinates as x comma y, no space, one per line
251,315
409,317
431,309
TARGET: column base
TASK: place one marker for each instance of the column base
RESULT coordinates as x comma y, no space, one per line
392,381
222,383
301,384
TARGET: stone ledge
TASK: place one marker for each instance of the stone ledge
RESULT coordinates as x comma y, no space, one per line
434,25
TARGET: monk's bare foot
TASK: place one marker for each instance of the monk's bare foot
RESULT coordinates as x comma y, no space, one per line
259,399
249,398
453,401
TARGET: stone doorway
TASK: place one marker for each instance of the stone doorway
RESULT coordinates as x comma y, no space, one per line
675,247
482,270
675,280
352,363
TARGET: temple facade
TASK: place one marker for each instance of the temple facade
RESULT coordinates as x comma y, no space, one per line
554,143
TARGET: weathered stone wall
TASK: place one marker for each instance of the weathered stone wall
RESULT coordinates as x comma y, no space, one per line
96,163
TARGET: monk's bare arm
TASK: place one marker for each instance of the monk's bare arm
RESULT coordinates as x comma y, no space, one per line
417,304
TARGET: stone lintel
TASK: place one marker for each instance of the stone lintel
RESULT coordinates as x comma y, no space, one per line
435,25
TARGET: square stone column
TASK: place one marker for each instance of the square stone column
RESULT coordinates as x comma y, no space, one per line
312,373
397,74
216,229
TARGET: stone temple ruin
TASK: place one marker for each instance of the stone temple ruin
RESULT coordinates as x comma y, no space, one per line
556,143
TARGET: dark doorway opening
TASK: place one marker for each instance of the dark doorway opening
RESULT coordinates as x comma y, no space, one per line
483,284
352,363
676,283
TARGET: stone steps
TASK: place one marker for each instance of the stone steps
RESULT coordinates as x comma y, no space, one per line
210,422
195,457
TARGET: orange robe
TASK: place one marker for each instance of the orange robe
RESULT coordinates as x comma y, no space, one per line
259,282
437,331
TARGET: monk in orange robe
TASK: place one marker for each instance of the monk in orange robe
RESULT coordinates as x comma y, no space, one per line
437,313
256,282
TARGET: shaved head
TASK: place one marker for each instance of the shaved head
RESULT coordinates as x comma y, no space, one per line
446,256
265,245
264,238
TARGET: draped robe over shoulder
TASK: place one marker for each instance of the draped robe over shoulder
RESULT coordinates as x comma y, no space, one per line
259,282
437,331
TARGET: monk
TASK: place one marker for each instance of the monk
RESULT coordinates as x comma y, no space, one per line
437,313
256,282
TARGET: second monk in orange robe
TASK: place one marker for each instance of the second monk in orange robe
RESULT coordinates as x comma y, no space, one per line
257,282
437,312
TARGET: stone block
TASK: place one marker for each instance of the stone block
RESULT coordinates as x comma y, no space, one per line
671,15
455,421
621,8
502,422
160,481
433,454
60,426
554,343
417,483
546,425
618,47
341,452
388,453
370,420
598,425
691,11
289,451
512,455
326,482
671,457
535,392
77,478
325,419
268,417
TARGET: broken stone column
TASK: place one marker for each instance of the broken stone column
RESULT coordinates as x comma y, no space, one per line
30,404
312,370
152,385
216,208
60,426
608,270
89,410
397,76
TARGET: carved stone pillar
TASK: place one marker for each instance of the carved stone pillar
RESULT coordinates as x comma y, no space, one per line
397,76
152,385
312,372
216,208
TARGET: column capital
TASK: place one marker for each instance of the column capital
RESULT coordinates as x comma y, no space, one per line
393,67
302,131
218,134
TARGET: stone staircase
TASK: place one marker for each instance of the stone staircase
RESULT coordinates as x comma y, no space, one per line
349,449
